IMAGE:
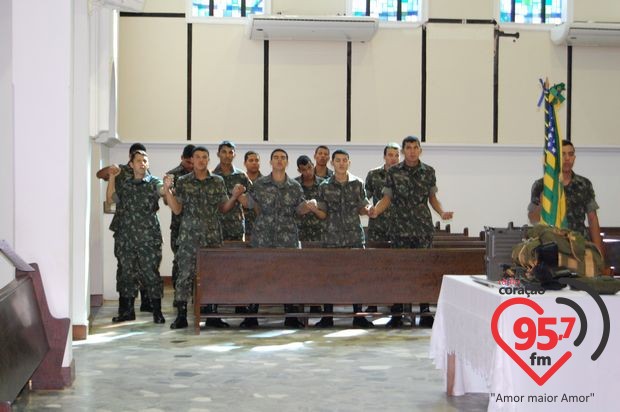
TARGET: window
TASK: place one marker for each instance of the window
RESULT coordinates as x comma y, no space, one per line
227,8
532,11
387,10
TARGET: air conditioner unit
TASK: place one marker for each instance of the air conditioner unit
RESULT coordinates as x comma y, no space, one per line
586,34
332,28
123,5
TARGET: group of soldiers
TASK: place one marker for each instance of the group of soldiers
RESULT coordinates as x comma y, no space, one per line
271,211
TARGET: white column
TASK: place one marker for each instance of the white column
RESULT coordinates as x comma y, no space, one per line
6,136
81,166
43,130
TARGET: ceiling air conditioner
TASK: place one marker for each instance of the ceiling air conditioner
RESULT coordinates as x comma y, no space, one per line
586,34
322,28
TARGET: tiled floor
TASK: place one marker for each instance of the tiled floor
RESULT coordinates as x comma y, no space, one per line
140,366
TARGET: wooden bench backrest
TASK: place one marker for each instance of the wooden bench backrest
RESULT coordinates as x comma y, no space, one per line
339,276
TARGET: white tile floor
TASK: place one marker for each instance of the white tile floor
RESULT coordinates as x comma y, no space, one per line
140,366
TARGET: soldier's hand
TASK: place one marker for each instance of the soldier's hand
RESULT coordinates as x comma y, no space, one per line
447,215
372,212
114,171
311,204
238,190
168,182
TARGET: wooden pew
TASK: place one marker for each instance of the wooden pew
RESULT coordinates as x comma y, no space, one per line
442,242
240,276
32,341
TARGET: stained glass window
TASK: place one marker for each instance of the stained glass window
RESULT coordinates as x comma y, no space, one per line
227,8
532,11
387,10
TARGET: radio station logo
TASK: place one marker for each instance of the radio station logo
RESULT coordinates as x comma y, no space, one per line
541,344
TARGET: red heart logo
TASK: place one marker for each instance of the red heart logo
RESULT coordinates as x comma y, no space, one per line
540,380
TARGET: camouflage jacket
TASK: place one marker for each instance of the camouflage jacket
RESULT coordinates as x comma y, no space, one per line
410,188
275,224
200,215
378,228
232,221
249,214
175,221
329,173
341,202
126,173
310,227
580,200
138,203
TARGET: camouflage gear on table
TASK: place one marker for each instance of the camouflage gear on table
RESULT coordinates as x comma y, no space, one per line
200,225
138,236
232,222
175,223
250,214
341,202
580,200
378,228
275,224
410,188
310,227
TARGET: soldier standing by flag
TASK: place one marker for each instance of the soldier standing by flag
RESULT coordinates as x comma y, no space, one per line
580,199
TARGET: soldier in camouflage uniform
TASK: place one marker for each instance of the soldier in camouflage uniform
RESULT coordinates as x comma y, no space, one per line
410,187
341,201
379,228
277,199
321,157
309,225
126,172
580,199
138,235
199,198
232,221
251,161
185,167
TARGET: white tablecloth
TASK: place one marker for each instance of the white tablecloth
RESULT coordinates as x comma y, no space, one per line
463,328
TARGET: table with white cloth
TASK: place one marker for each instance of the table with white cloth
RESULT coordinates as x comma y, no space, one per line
462,344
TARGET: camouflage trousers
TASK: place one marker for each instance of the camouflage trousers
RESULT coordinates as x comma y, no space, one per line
174,234
139,264
186,258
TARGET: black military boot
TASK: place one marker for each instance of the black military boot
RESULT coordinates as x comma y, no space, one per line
181,320
214,322
250,323
396,321
125,310
145,302
326,321
426,318
158,317
360,321
290,321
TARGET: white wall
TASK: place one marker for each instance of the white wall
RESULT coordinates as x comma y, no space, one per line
307,87
7,271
